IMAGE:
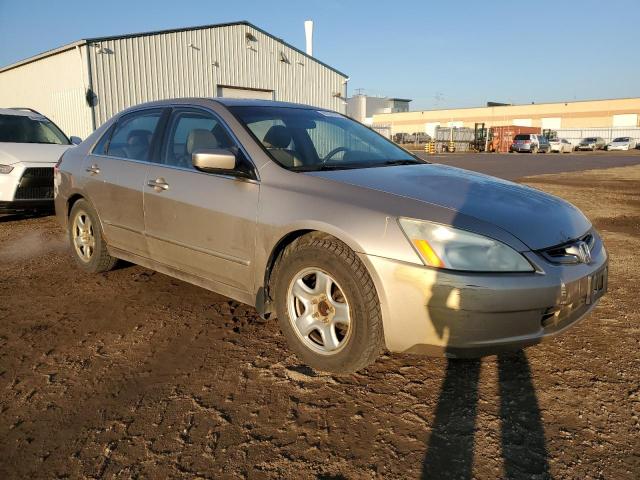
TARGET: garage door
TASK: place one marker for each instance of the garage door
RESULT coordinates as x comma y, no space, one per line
238,92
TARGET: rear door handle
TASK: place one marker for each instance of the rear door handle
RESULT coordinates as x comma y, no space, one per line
158,184
93,169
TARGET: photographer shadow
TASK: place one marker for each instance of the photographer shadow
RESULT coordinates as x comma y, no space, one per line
450,451
458,314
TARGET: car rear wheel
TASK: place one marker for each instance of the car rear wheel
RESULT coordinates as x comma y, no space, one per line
327,305
85,235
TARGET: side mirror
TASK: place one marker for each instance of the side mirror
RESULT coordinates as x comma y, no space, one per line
75,140
214,160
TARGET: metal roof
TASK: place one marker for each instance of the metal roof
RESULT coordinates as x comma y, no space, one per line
87,41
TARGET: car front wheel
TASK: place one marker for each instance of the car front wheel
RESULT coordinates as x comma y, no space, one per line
327,305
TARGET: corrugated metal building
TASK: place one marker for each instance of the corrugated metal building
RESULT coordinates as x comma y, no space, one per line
81,85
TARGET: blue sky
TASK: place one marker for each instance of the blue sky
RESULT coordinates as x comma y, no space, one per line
441,54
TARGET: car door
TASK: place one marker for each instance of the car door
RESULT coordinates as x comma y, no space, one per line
115,175
201,223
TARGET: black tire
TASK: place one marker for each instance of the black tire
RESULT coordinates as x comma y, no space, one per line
534,150
100,260
366,339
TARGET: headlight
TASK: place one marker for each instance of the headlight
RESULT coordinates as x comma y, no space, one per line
5,168
441,246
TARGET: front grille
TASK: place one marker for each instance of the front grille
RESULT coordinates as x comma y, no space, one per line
33,193
35,184
39,172
565,253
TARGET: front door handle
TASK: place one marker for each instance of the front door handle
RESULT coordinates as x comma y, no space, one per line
93,169
158,184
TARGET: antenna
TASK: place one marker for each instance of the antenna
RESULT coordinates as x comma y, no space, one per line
308,33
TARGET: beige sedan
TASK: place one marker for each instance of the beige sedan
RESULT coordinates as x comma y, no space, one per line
561,145
354,244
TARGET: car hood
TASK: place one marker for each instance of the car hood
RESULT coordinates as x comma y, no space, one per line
11,153
537,219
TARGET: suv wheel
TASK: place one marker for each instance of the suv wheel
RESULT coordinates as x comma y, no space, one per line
85,235
327,305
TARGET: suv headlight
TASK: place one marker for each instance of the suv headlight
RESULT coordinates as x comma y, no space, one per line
441,246
5,168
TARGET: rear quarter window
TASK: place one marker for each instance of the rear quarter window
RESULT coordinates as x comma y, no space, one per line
102,145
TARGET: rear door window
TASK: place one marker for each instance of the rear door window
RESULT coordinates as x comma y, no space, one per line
133,135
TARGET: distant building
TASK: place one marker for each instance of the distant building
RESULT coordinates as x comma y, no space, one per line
363,107
616,114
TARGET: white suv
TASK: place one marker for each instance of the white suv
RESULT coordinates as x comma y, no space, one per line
30,146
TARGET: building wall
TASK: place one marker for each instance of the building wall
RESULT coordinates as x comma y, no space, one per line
587,114
55,86
129,71
363,107
193,63
357,107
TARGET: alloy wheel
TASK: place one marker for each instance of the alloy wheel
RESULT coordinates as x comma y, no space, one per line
84,240
319,311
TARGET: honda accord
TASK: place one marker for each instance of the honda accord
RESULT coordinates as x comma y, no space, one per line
354,244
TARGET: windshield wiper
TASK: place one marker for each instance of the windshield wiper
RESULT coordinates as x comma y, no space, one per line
391,163
351,166
321,167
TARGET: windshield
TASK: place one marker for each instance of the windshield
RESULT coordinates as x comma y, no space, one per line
621,139
302,139
30,129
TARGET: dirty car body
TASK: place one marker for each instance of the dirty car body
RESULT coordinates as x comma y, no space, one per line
401,217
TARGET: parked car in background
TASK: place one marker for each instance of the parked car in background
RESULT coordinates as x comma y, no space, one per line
561,145
591,143
530,142
30,146
352,242
621,143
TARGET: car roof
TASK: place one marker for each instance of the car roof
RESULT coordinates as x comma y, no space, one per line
247,102
227,102
19,112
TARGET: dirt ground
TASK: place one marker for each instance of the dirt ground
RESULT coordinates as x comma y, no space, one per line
132,374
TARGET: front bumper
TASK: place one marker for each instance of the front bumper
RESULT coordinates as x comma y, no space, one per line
17,206
460,314
25,188
618,147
